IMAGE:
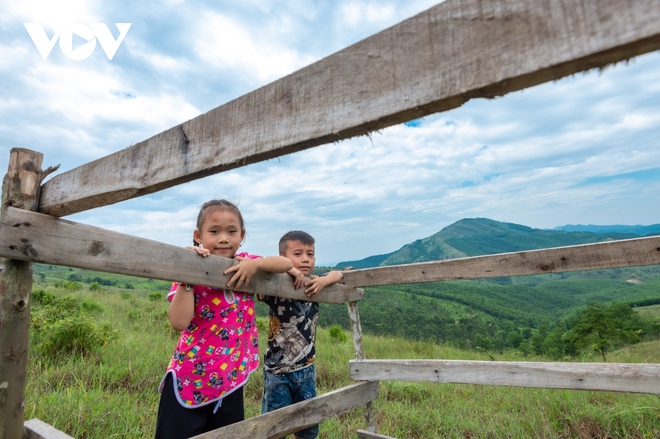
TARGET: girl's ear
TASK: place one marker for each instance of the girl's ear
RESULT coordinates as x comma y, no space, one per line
197,237
242,234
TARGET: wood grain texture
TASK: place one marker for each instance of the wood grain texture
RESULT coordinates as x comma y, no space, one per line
364,434
618,377
20,188
37,429
624,253
432,62
279,423
358,343
31,236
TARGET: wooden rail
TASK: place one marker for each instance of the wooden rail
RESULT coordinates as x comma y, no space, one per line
37,429
35,237
279,423
434,61
624,253
617,377
364,434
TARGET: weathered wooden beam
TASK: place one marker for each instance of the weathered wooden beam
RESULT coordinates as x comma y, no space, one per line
432,62
363,434
613,254
358,343
37,429
617,377
287,420
20,188
31,236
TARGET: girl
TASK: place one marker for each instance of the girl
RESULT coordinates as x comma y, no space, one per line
218,349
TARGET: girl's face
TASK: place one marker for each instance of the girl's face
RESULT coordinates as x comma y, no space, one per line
221,233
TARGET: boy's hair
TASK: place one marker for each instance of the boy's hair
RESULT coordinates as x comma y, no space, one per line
295,235
213,205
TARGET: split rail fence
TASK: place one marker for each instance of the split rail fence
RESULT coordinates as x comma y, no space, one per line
435,61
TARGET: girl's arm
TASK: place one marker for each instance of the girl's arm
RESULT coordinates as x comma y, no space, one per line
182,308
246,268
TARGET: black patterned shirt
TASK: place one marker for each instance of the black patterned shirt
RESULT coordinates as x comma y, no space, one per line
291,334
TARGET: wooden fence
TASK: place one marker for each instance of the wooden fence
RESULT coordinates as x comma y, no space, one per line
435,61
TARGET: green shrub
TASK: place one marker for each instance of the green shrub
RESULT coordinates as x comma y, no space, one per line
155,297
73,286
337,334
43,297
91,306
262,324
62,307
94,286
79,334
59,325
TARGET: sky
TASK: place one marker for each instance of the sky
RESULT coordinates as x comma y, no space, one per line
581,150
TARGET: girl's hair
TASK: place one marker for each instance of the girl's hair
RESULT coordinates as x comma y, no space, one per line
213,205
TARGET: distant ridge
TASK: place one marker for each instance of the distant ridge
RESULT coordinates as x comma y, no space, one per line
482,236
635,230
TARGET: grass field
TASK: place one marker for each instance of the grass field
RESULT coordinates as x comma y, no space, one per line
112,393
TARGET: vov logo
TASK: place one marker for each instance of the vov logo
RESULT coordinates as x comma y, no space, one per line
91,33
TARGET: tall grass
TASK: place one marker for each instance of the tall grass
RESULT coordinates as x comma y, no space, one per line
112,392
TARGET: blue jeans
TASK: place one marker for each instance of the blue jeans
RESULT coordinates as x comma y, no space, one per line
281,390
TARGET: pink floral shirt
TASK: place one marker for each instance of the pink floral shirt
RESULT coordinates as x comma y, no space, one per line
220,348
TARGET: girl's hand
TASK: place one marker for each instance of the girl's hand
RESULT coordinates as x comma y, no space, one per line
298,278
244,270
203,252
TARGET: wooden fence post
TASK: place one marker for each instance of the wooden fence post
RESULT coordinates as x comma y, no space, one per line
356,328
20,188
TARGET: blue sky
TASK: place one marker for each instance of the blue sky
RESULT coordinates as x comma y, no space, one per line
582,150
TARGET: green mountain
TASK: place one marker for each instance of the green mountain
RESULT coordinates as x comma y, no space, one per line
465,312
483,236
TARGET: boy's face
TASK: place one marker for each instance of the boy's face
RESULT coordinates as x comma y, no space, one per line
302,256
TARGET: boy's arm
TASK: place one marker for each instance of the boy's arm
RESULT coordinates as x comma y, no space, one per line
316,284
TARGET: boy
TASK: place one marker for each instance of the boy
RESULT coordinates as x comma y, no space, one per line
289,374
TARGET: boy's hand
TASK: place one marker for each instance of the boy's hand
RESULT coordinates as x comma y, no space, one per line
298,278
314,285
244,270
317,283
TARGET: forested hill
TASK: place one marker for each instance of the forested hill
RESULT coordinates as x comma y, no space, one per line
482,236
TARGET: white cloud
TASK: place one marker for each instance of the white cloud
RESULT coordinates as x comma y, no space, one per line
226,44
50,11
